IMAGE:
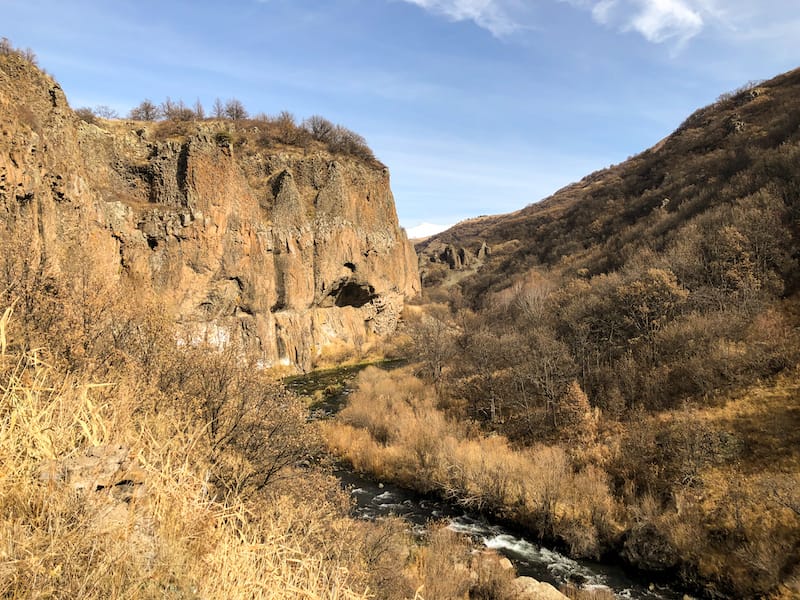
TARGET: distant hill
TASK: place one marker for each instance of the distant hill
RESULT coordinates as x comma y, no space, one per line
746,143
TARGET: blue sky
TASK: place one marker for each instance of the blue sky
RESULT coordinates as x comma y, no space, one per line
477,106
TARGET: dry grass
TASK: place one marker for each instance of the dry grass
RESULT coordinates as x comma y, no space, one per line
730,528
173,540
393,430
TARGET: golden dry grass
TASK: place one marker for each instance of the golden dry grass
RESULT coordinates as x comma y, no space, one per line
175,540
393,430
732,528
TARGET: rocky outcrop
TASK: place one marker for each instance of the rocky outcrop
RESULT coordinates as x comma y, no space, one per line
108,467
456,257
290,252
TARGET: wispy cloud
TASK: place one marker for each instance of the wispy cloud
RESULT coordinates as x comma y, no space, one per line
662,20
671,22
656,20
494,15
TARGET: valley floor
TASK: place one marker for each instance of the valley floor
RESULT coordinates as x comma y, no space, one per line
730,525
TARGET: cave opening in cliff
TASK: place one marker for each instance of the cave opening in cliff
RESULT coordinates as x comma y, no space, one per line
354,294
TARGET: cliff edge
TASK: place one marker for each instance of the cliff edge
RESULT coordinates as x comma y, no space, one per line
292,252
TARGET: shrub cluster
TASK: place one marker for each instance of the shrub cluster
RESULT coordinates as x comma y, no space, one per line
393,430
282,128
7,48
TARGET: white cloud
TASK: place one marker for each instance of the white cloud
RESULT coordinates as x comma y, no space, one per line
425,229
493,15
662,20
602,10
673,22
656,20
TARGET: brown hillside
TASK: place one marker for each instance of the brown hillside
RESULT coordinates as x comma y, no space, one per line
638,333
747,141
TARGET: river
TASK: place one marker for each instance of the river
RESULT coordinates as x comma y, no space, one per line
374,500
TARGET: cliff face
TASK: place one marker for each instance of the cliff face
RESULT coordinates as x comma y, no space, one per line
291,252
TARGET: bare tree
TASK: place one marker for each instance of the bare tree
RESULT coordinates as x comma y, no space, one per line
218,110
199,111
176,111
319,127
347,141
235,110
105,112
146,111
30,56
169,108
287,127
86,114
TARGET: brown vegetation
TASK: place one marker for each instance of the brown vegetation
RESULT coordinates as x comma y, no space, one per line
393,429
220,500
666,492
282,128
176,538
631,345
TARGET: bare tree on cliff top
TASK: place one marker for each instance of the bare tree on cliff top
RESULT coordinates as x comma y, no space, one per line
218,109
235,110
146,111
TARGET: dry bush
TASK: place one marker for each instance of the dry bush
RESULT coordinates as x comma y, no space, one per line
441,566
384,551
492,577
393,430
173,540
86,320
255,427
740,538
404,429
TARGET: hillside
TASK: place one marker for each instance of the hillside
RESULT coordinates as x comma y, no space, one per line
745,144
615,368
292,252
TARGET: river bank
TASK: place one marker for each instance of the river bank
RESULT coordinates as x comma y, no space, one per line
374,500
420,505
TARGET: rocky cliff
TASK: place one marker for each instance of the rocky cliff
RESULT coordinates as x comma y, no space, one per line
293,252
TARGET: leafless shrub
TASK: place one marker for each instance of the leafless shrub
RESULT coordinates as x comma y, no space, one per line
87,114
105,112
235,110
145,111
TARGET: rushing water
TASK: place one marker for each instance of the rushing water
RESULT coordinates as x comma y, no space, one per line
375,500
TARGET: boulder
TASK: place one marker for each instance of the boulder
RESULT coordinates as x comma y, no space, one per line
527,588
106,467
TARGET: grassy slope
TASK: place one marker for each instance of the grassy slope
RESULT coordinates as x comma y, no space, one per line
725,151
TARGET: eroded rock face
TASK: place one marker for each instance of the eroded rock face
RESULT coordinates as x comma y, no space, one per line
289,252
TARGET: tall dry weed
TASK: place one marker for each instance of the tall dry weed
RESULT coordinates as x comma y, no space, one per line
170,539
